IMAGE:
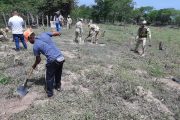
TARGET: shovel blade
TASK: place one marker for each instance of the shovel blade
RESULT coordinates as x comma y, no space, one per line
22,91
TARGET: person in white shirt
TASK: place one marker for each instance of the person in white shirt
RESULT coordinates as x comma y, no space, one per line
57,23
16,23
61,19
78,31
69,22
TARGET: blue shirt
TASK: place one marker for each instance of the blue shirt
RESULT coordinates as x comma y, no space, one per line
44,45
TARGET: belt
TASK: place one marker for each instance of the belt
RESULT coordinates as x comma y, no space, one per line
60,59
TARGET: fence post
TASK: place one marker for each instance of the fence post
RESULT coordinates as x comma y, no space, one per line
43,19
37,20
28,19
47,21
25,25
4,17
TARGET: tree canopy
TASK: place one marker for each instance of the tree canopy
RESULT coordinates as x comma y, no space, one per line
37,6
102,11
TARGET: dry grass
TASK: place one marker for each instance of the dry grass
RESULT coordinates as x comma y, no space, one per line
105,82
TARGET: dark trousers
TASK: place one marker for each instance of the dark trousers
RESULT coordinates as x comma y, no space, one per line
53,76
16,38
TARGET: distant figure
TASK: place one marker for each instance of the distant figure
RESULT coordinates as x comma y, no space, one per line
57,23
61,19
16,23
93,33
79,31
69,22
142,35
91,21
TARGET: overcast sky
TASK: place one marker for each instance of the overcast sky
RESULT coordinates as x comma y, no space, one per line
157,4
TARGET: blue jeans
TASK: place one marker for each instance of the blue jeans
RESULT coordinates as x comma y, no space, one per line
53,76
58,27
16,38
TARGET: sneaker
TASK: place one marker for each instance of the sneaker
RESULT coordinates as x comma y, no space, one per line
57,88
50,95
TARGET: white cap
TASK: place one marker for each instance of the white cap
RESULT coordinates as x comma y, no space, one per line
81,19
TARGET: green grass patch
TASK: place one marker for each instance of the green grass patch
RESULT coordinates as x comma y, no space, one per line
4,80
155,71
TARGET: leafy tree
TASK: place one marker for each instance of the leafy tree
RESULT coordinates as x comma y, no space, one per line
112,9
164,15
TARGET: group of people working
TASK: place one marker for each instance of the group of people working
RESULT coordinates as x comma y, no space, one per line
43,44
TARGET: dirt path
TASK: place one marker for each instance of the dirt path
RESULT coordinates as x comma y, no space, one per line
16,104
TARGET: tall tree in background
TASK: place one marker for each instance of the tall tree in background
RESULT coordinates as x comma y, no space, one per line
112,10
37,6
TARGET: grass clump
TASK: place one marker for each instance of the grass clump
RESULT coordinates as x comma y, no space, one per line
4,80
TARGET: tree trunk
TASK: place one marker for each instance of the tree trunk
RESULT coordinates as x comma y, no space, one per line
43,19
47,21
32,18
113,19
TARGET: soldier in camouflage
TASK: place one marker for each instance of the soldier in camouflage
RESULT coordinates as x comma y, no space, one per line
142,35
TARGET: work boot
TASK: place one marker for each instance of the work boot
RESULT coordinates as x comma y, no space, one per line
57,87
49,95
17,50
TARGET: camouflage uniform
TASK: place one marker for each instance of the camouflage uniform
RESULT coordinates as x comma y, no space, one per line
142,35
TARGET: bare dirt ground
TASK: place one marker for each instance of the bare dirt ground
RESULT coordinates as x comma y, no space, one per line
103,81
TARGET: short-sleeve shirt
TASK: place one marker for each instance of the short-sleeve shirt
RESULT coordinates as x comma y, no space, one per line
44,45
16,23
